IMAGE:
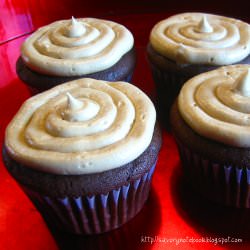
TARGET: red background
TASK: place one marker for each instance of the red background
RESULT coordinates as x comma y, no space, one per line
173,211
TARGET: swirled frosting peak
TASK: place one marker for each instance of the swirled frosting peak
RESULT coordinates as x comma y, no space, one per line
76,47
242,85
216,105
73,103
77,110
204,26
208,39
75,29
83,126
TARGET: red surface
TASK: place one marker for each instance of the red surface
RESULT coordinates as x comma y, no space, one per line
173,212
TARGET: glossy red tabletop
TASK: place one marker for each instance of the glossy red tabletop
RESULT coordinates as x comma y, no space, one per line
174,216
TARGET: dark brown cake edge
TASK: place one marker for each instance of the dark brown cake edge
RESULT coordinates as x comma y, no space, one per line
87,184
121,71
187,70
208,149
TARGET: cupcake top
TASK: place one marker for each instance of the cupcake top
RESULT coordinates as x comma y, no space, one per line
76,47
83,126
200,38
216,105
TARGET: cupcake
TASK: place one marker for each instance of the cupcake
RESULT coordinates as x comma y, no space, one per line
211,124
188,44
84,152
71,49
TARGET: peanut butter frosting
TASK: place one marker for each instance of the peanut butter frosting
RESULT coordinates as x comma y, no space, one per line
216,105
83,126
76,47
201,38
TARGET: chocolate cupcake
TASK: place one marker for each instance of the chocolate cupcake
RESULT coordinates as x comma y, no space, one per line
71,49
188,44
210,122
84,152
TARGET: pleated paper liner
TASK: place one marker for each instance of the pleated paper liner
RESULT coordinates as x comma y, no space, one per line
225,184
97,213
168,85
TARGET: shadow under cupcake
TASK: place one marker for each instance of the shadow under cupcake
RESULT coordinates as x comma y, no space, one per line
129,236
210,219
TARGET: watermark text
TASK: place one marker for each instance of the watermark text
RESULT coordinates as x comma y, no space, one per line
187,239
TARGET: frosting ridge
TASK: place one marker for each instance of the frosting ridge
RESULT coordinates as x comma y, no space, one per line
110,125
76,47
216,105
208,39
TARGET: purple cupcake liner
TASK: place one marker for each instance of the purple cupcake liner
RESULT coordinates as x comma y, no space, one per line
127,78
223,183
96,213
168,85
171,81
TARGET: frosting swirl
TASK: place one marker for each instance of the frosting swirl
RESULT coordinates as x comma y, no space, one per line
200,38
83,126
76,47
216,104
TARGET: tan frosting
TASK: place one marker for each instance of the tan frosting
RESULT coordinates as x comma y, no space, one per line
216,104
76,47
75,29
83,126
204,26
201,38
